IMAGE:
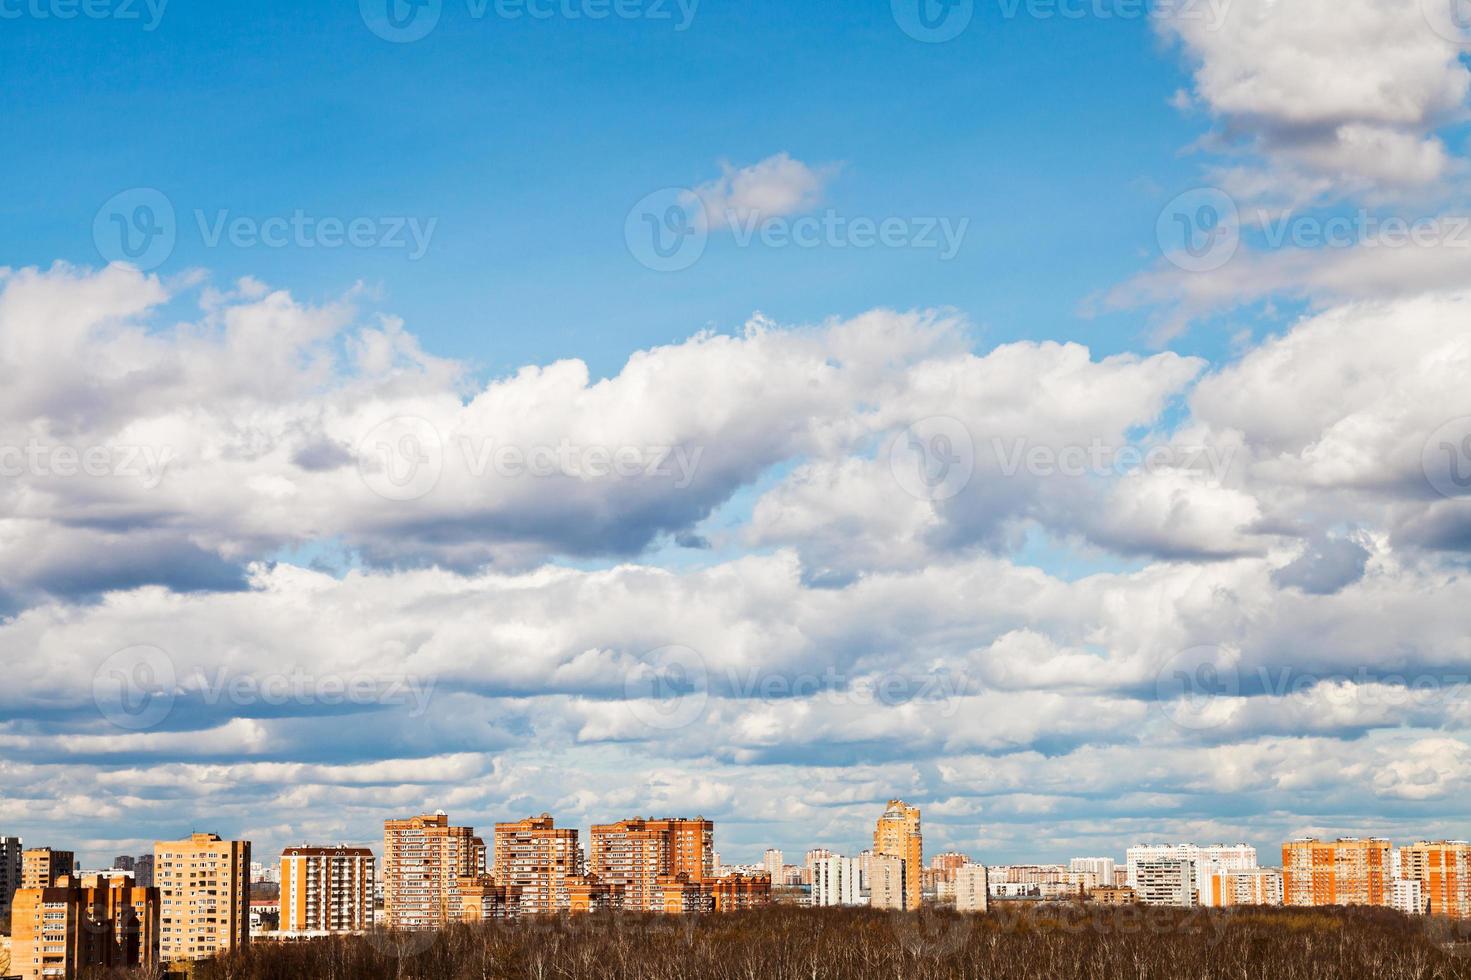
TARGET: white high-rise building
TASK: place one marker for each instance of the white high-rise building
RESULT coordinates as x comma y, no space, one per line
772,862
1101,868
1166,881
970,888
1203,861
837,881
1407,895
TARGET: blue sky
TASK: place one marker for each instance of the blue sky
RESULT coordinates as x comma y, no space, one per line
848,466
528,141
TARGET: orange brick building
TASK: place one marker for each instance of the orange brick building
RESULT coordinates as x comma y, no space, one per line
736,893
1348,871
1443,869
480,899
41,867
538,857
636,853
589,893
423,860
63,929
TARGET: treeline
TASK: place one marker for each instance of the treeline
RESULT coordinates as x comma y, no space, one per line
1053,942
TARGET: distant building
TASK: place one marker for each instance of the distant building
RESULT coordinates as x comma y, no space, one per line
1203,860
1167,881
143,871
887,886
837,881
42,867
632,854
1443,869
538,857
589,893
1407,895
124,862
1113,895
898,835
326,889
739,892
772,862
423,860
480,899
1244,886
71,926
10,868
971,889
204,894
1348,871
812,857
1102,868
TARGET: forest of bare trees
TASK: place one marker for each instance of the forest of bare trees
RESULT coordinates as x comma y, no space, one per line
1058,943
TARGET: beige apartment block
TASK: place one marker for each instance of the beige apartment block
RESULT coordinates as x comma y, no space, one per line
970,888
898,835
424,859
886,883
326,889
204,888
62,930
42,867
537,857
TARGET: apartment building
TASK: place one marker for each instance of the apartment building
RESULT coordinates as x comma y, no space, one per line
887,887
1348,871
837,881
1443,869
481,898
42,867
1407,895
971,888
424,859
326,889
589,893
1101,868
1167,881
10,865
738,892
538,857
204,896
143,871
1113,895
634,853
898,835
71,926
1204,859
1243,886
772,862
